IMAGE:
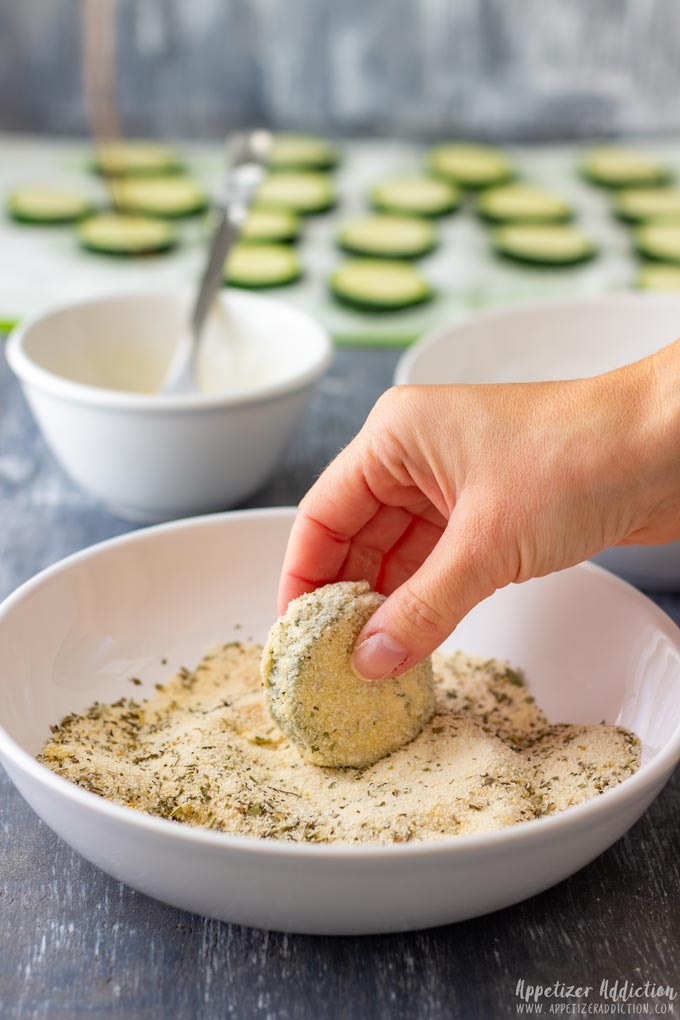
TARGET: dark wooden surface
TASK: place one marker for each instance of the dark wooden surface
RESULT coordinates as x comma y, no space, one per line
75,943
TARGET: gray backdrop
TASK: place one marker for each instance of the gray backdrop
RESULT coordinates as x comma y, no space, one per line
524,69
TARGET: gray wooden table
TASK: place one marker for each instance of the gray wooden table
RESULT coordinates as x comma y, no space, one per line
75,943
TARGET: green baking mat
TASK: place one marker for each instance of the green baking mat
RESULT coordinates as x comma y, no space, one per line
43,266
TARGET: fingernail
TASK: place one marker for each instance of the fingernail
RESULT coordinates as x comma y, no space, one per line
378,656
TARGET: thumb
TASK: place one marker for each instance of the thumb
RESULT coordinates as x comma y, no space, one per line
425,609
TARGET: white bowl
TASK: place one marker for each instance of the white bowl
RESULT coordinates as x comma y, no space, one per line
151,457
565,340
593,648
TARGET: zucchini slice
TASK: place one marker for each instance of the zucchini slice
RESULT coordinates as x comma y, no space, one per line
377,285
659,277
47,205
303,193
388,237
415,195
544,245
302,152
122,159
522,203
168,197
256,266
121,234
615,167
271,225
470,166
637,205
659,241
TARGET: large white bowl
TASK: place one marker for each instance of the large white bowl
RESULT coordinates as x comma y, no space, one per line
565,340
593,649
151,457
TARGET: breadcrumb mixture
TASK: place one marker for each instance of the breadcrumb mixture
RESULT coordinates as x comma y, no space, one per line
204,750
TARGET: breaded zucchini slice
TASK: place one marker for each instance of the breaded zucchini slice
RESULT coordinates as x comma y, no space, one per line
302,152
303,193
334,717
123,234
638,205
387,237
659,241
522,203
470,166
122,159
278,225
544,245
659,277
47,205
171,197
415,195
612,166
379,285
257,266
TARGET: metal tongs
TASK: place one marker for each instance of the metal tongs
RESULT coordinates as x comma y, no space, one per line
248,153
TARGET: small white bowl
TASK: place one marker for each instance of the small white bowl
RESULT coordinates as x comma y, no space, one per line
89,371
558,340
593,648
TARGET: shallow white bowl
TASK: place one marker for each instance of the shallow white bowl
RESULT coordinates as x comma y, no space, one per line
593,649
565,340
151,457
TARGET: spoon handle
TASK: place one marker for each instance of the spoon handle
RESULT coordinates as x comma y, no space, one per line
229,222
248,156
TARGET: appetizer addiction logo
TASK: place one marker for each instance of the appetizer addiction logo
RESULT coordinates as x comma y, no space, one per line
609,998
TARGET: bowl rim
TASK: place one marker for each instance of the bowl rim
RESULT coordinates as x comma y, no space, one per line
496,316
633,788
33,375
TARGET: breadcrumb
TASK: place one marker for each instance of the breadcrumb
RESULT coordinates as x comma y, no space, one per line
204,750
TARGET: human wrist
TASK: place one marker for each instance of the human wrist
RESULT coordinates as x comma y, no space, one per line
643,399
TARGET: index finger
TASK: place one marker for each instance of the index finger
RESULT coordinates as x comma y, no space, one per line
334,510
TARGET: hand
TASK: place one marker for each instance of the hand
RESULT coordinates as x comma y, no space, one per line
451,492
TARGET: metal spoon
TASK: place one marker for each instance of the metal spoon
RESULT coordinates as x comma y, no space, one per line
248,158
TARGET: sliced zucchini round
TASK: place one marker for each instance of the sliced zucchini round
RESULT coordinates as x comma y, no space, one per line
522,203
637,205
616,167
47,205
659,277
388,237
257,266
415,195
379,286
168,197
302,152
271,225
659,241
122,234
470,166
122,159
303,193
544,245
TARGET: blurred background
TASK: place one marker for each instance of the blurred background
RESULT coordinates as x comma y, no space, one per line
523,71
